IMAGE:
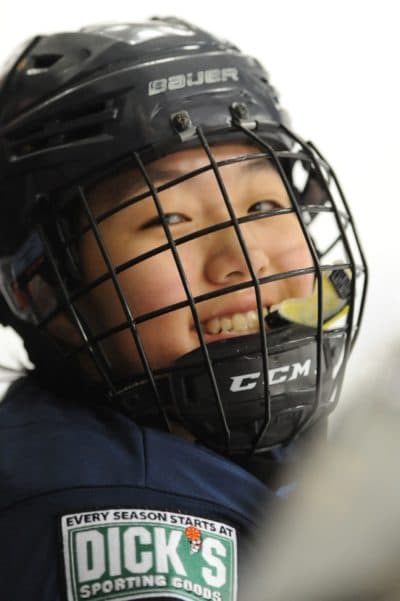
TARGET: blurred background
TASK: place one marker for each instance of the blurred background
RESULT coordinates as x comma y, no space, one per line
335,64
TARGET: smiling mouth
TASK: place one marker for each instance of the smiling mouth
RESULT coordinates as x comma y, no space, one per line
236,323
305,310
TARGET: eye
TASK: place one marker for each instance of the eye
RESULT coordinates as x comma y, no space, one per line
264,206
170,218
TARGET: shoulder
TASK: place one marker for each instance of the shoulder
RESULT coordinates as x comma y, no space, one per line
81,446
128,510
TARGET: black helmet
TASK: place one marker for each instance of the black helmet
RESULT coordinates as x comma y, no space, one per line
78,109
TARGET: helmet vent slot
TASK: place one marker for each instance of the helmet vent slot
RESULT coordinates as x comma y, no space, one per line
65,128
45,61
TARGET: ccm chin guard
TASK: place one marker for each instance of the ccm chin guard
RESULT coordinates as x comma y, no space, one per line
253,408
226,406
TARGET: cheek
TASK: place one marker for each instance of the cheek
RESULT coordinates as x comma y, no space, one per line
155,285
291,253
298,258
152,285
166,338
149,286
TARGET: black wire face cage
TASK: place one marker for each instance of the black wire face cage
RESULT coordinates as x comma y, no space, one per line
240,392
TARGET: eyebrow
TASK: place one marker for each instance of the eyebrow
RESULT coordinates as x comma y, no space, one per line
128,190
158,175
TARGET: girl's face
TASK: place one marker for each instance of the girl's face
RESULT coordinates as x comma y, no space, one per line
211,262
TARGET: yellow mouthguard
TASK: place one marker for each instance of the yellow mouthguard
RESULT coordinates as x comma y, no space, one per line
304,310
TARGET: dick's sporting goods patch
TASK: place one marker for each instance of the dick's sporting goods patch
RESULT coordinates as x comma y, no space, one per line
125,554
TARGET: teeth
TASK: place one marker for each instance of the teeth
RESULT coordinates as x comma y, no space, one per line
225,324
213,326
252,320
239,322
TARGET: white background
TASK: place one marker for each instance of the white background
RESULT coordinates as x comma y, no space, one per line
335,64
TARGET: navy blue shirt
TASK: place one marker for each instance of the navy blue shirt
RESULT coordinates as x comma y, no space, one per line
94,507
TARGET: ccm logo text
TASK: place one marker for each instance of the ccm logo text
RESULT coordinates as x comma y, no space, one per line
278,375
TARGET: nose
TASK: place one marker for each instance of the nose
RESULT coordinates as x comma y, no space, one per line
227,264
